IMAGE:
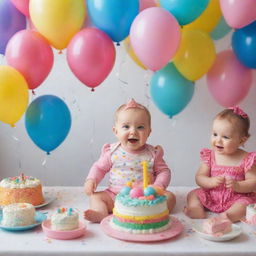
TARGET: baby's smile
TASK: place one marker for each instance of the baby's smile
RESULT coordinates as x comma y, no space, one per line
133,140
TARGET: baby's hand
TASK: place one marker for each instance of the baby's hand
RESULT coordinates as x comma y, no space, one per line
90,187
216,181
231,184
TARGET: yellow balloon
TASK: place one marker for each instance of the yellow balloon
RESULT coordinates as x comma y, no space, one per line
131,52
209,19
195,55
57,20
13,95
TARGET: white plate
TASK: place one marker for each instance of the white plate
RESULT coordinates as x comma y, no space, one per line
235,232
47,200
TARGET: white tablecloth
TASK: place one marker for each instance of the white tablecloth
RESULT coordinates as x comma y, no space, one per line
95,242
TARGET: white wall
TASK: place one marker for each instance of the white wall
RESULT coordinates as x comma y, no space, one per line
92,118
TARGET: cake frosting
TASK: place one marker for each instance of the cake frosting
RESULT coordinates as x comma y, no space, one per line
140,211
18,214
21,189
217,226
65,219
251,214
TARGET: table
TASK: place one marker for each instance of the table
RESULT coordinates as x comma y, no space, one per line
95,242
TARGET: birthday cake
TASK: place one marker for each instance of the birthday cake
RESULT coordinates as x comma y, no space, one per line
140,211
65,219
21,189
217,226
251,214
18,214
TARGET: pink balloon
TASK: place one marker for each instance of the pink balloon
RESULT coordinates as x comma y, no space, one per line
228,80
29,53
144,4
238,13
22,6
155,36
91,56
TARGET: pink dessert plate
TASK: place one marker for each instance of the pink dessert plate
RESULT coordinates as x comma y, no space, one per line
63,235
175,228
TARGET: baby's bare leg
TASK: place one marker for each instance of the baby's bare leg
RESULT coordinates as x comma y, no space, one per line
171,200
194,208
101,204
236,212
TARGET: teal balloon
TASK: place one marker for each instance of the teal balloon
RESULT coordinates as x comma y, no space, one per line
48,121
114,17
185,11
220,30
170,91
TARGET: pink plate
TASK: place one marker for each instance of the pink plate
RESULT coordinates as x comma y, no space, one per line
175,229
63,235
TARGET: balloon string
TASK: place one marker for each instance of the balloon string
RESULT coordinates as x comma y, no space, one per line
122,57
44,161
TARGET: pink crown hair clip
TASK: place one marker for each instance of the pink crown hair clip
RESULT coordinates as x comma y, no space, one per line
238,111
132,104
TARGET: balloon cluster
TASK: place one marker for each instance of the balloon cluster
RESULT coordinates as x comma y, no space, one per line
173,38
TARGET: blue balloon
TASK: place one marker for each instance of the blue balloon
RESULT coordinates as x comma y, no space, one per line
244,45
170,91
220,30
114,17
11,21
48,122
185,11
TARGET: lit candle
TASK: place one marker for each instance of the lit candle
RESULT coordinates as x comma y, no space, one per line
145,174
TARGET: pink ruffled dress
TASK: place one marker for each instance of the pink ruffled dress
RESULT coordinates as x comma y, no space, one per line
220,199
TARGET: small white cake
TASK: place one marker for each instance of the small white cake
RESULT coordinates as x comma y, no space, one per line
18,214
65,219
251,213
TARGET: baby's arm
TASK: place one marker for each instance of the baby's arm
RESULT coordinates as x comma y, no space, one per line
204,180
161,170
98,170
90,186
245,186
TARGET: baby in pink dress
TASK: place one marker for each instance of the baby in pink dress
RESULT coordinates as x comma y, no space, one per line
123,161
227,175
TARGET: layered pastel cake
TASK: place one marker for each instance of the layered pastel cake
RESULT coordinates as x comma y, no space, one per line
140,211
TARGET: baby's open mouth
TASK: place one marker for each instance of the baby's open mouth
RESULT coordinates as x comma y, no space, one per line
133,140
219,147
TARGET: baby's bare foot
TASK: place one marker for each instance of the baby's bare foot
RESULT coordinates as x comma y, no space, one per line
194,213
93,216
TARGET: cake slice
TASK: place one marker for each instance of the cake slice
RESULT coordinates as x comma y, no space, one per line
217,226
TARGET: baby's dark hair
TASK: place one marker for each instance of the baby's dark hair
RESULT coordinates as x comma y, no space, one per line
241,119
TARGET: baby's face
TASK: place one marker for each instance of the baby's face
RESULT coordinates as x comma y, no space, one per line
132,128
226,137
